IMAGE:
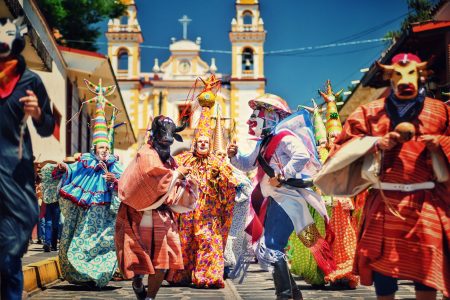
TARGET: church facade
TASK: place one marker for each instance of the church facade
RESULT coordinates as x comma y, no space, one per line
164,90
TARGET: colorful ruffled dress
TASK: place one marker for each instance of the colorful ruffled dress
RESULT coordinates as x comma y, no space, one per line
89,205
204,231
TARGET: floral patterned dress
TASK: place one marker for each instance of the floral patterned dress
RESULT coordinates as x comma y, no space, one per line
204,231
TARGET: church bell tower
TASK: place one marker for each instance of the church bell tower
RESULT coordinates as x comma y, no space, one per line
124,38
247,38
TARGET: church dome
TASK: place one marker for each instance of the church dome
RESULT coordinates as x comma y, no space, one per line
184,45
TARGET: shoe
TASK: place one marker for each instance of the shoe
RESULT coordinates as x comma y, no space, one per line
54,248
39,241
46,248
296,293
141,293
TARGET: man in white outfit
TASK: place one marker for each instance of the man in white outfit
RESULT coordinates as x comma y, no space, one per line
279,199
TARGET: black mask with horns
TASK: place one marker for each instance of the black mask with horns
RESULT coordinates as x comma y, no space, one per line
163,133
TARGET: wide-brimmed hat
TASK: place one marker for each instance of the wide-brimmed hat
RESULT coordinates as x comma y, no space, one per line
271,101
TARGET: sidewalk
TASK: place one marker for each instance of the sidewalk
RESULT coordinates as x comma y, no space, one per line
40,269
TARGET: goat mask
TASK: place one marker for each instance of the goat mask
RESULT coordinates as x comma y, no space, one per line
11,37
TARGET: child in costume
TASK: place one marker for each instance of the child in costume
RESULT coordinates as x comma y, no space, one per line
399,146
152,188
22,95
204,231
89,190
286,159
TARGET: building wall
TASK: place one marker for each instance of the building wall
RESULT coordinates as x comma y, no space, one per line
51,148
241,93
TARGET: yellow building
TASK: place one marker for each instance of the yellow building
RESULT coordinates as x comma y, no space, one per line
164,90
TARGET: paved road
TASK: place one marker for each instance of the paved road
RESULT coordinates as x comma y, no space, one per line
258,285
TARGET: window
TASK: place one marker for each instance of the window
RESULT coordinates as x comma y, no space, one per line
185,110
247,17
247,59
122,59
57,117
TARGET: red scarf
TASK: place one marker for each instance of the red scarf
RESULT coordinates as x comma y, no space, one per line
9,76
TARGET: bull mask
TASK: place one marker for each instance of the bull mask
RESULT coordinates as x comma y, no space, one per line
404,74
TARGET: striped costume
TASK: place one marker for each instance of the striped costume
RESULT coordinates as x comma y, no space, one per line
412,239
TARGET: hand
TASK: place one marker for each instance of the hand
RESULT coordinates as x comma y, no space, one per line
232,149
31,105
110,177
431,141
275,181
389,140
183,172
61,167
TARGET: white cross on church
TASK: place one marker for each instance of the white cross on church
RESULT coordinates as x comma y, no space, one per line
184,21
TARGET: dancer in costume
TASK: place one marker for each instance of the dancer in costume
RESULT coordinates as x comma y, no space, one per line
204,231
344,244
22,95
50,196
236,242
89,187
152,188
286,159
399,146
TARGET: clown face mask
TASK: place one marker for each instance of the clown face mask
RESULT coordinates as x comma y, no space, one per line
11,40
256,122
262,121
202,145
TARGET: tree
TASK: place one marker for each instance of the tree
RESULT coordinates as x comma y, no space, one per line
77,20
419,11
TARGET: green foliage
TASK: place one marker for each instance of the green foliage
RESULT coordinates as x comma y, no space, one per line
78,19
419,11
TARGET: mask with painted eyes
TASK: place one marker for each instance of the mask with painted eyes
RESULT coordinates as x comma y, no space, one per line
11,37
262,121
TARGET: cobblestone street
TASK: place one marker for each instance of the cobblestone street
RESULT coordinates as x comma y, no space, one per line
258,285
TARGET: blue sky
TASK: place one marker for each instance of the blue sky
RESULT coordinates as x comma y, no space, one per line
289,24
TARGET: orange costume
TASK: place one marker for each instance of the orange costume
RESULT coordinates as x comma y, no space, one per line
146,231
408,238
204,231
399,146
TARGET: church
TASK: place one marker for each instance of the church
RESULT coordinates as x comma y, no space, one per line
164,90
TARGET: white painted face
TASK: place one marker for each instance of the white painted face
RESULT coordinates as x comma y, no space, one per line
102,151
8,33
202,145
221,154
256,122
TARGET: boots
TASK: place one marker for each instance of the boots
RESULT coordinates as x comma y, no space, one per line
285,286
296,293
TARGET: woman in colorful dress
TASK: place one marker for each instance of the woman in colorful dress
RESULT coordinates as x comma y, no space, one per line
89,190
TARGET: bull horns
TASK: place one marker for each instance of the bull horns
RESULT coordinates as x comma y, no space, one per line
183,125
